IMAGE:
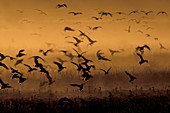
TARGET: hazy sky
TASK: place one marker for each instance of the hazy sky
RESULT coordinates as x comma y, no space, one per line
23,26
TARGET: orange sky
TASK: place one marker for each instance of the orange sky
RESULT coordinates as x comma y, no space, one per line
31,29
23,27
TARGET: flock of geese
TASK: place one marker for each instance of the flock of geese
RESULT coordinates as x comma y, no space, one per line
84,66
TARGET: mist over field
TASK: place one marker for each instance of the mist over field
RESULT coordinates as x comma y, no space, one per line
79,56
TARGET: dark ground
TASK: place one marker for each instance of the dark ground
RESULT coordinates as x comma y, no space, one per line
111,104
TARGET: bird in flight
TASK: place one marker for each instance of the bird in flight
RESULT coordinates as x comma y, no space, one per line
96,18
3,65
77,41
45,52
120,13
86,76
42,69
135,20
4,85
70,55
106,71
82,33
97,27
18,62
141,59
88,38
155,38
41,12
148,35
89,27
61,60
37,64
162,12
128,30
64,51
113,52
102,13
134,12
75,13
139,31
61,5
20,11
147,12
141,48
100,57
88,67
30,68
94,28
79,55
60,66
3,57
21,79
68,29
132,78
86,60
20,53
80,86
161,46
15,71
79,66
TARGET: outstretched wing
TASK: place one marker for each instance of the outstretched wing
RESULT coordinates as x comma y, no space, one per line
109,69
103,58
97,27
64,5
94,17
3,65
38,57
79,13
78,40
71,12
76,51
146,46
103,70
49,77
68,28
74,85
49,50
162,12
128,74
109,14
89,26
98,53
22,50
12,69
58,64
2,55
75,64
140,56
83,52
28,66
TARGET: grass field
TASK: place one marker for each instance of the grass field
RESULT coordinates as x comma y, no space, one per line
115,101
129,104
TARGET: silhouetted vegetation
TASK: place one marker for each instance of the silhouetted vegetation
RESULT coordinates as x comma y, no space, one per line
130,104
